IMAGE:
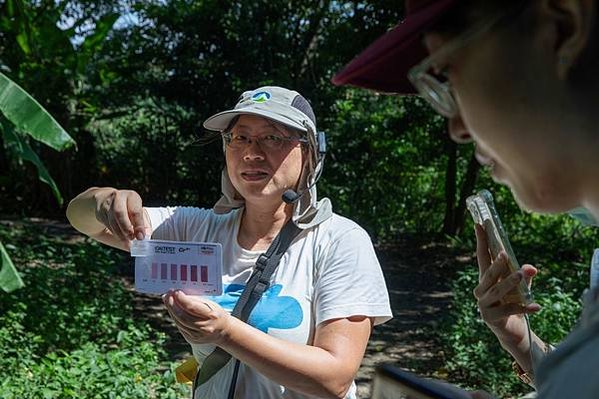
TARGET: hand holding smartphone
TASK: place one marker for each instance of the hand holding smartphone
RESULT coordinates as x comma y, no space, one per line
482,209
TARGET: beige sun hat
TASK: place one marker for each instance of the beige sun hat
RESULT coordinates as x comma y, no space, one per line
275,103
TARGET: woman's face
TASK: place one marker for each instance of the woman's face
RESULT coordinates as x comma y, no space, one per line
261,175
508,92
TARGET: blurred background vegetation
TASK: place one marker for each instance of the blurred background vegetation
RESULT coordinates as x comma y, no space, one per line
131,81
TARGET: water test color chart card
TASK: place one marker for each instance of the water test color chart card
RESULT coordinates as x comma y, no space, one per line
193,267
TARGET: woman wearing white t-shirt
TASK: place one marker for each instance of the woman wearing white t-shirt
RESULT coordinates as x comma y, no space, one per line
307,334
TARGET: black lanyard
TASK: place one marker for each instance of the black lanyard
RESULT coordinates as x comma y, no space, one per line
256,286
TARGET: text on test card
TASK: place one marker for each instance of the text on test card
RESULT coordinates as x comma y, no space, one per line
193,267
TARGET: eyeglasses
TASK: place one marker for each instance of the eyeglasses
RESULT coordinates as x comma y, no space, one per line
436,92
270,142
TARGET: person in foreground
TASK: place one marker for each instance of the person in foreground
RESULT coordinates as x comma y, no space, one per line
518,78
307,335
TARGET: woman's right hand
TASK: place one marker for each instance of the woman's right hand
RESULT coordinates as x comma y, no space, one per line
121,212
114,217
495,283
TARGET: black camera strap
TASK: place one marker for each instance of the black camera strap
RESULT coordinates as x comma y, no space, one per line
258,283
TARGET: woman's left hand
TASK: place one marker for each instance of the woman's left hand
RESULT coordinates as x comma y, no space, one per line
200,321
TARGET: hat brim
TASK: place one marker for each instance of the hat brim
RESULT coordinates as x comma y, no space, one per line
219,122
383,66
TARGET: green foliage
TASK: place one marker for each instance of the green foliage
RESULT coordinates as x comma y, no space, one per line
374,171
561,249
475,358
21,115
71,332
9,277
387,163
20,148
35,42
147,143
28,116
134,94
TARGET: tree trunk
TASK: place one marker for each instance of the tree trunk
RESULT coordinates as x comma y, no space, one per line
450,186
466,190
310,44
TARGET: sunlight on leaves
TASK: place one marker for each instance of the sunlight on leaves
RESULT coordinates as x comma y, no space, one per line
30,117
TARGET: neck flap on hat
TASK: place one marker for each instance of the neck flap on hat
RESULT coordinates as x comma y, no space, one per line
307,211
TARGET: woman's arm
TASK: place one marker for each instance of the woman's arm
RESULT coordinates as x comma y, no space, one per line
113,217
505,320
325,369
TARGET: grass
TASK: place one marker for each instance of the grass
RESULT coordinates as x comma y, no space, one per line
71,331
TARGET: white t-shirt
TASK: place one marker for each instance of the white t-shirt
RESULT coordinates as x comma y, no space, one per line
328,272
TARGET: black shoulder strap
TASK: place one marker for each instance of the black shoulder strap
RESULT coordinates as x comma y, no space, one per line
257,284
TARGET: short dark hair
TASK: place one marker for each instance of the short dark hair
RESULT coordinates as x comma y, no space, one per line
292,131
467,12
583,74
231,124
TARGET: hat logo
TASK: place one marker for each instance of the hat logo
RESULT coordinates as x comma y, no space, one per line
261,97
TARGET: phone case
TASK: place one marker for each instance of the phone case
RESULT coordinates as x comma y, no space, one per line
482,209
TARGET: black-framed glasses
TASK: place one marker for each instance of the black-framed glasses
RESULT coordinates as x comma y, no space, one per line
438,92
268,142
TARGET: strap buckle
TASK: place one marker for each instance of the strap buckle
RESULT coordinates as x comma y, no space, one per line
261,286
261,262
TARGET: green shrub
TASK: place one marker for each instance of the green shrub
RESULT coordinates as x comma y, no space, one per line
474,357
71,331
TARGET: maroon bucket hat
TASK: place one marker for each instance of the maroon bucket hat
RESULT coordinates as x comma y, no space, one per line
384,65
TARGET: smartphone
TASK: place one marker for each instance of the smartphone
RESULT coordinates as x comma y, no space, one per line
482,209
391,382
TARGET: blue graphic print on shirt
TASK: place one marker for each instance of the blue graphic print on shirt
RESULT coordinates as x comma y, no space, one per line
271,311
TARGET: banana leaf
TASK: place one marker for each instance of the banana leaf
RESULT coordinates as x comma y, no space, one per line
20,147
30,117
9,277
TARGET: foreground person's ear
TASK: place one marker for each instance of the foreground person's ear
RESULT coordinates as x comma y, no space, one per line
572,22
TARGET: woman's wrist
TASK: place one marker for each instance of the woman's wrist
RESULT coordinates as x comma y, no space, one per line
520,350
229,324
509,343
539,350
